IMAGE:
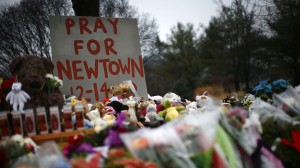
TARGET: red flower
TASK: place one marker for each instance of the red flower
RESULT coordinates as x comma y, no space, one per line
116,153
296,141
6,85
95,161
76,139
134,163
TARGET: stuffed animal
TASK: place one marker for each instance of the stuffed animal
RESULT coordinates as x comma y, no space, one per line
131,105
31,71
203,100
96,120
170,112
101,107
115,91
110,117
156,98
172,97
190,108
17,97
70,99
142,107
151,115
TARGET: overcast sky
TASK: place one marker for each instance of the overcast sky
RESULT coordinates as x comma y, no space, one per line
169,12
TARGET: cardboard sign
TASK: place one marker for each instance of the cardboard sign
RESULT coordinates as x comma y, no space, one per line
90,54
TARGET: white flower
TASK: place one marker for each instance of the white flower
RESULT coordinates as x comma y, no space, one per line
30,141
49,76
98,129
18,138
53,81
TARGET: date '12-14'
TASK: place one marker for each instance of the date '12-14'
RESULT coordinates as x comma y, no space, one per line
95,91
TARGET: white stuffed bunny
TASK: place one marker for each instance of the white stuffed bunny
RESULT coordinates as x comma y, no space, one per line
17,97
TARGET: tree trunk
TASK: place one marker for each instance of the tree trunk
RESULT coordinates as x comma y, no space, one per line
86,7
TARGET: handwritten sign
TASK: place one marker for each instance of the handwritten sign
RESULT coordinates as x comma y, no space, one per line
91,54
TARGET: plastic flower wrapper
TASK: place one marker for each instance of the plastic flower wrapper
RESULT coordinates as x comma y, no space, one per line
237,117
297,89
49,156
161,145
26,161
138,144
197,132
11,150
288,100
234,125
249,139
280,85
263,88
169,149
266,111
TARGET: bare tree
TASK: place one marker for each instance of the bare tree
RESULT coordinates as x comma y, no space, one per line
24,29
148,29
86,8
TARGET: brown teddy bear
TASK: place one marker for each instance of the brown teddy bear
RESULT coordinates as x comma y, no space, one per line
31,71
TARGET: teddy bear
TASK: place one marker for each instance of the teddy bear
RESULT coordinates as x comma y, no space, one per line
142,107
151,115
17,97
115,91
96,120
190,108
203,100
101,107
31,71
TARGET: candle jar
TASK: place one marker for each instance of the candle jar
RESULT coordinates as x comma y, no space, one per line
79,116
67,116
55,119
29,122
17,123
42,120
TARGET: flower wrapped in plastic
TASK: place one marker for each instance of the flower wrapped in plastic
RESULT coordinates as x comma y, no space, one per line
280,85
289,101
53,81
197,132
17,146
267,111
161,145
263,90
